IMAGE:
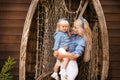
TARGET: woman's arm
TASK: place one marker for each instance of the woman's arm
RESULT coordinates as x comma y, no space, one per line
69,55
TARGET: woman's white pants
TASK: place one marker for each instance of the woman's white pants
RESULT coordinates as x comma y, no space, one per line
71,70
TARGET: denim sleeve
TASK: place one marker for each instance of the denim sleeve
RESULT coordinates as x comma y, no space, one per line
57,41
79,49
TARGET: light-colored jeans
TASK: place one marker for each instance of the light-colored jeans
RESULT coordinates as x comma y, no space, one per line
62,51
72,70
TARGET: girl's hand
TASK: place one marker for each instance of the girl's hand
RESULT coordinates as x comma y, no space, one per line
55,53
59,57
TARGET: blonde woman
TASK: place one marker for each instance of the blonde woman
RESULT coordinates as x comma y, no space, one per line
80,42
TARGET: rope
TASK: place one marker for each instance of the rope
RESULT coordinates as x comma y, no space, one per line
43,75
79,8
83,9
71,12
37,45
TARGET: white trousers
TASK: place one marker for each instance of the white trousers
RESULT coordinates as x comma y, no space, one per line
72,70
62,51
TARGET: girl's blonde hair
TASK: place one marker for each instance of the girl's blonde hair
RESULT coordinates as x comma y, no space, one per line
87,35
62,21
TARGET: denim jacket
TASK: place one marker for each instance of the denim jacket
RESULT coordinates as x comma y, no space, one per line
61,40
77,45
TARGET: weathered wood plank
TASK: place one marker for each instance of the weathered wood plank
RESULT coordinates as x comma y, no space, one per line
9,47
112,78
6,54
112,17
114,33
114,64
12,23
13,7
113,24
114,57
111,9
114,41
13,14
11,31
15,23
115,73
110,2
15,1
12,18
114,49
10,39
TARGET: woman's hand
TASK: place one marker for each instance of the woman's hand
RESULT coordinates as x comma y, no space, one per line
72,57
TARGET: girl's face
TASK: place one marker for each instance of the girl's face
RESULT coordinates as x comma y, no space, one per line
63,28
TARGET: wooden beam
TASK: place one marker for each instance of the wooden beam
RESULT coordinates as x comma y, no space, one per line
104,38
24,40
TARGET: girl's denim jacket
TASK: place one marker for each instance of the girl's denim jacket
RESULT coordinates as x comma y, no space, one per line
61,40
76,44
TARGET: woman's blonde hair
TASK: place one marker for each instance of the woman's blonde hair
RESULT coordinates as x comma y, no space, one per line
87,35
62,21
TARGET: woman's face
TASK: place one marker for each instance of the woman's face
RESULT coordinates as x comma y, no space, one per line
77,29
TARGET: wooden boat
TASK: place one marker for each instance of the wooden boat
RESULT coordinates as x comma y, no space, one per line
36,59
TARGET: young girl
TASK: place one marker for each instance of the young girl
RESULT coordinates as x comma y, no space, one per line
61,37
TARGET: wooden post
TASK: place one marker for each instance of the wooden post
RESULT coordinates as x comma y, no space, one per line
24,40
104,38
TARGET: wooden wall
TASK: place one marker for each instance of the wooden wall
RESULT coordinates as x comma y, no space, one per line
112,13
12,17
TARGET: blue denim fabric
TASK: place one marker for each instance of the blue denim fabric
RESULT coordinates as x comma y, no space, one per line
77,45
61,40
